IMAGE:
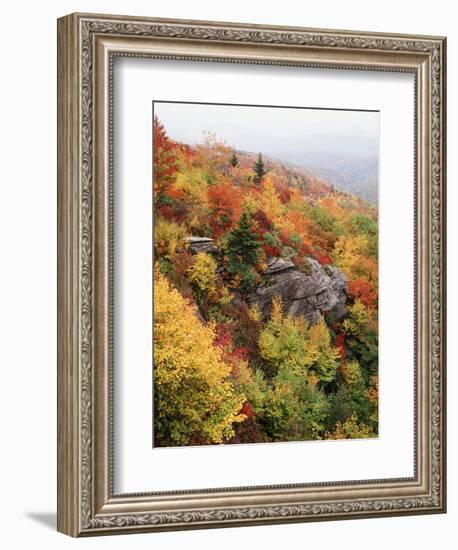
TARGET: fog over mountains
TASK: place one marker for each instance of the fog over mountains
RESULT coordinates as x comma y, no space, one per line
339,146
356,175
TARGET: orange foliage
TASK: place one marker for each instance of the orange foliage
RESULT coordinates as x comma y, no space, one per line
164,158
199,190
362,290
226,203
340,345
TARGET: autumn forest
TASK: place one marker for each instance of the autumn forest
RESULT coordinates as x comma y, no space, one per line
265,299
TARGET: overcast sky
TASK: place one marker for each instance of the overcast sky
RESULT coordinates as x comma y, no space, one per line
274,129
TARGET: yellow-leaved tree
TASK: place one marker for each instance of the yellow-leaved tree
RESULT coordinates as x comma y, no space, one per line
295,347
270,199
202,274
194,400
169,236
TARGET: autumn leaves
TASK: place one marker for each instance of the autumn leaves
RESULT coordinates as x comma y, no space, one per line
224,373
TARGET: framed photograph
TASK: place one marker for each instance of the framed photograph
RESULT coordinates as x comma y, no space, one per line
251,290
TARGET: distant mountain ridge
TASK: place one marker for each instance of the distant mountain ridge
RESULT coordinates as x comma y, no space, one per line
358,176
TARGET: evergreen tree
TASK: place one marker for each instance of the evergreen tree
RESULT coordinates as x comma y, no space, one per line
243,251
234,160
259,169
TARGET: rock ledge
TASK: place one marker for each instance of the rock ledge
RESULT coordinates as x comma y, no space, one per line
322,288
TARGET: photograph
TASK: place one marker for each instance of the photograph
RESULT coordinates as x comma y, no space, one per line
265,252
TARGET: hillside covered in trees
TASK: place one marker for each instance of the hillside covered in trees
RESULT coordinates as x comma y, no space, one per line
265,300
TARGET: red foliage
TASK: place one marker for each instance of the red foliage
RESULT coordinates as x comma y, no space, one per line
164,158
285,195
363,291
270,250
322,257
340,344
240,353
247,410
223,337
176,212
262,223
176,194
302,253
246,331
182,261
283,190
305,250
226,204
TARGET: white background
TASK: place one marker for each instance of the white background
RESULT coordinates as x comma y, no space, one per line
28,274
136,82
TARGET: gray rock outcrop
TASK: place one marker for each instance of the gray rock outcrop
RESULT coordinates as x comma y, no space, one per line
275,265
201,244
321,288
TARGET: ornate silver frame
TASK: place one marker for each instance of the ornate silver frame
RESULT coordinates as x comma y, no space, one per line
87,45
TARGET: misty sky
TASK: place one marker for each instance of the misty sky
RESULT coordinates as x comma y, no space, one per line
272,130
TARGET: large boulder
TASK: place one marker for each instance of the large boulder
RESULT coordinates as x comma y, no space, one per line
307,293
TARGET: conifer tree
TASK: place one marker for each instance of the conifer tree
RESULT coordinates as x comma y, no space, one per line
259,169
234,160
243,250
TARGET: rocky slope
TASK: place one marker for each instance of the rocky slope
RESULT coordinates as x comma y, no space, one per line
320,289
308,293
